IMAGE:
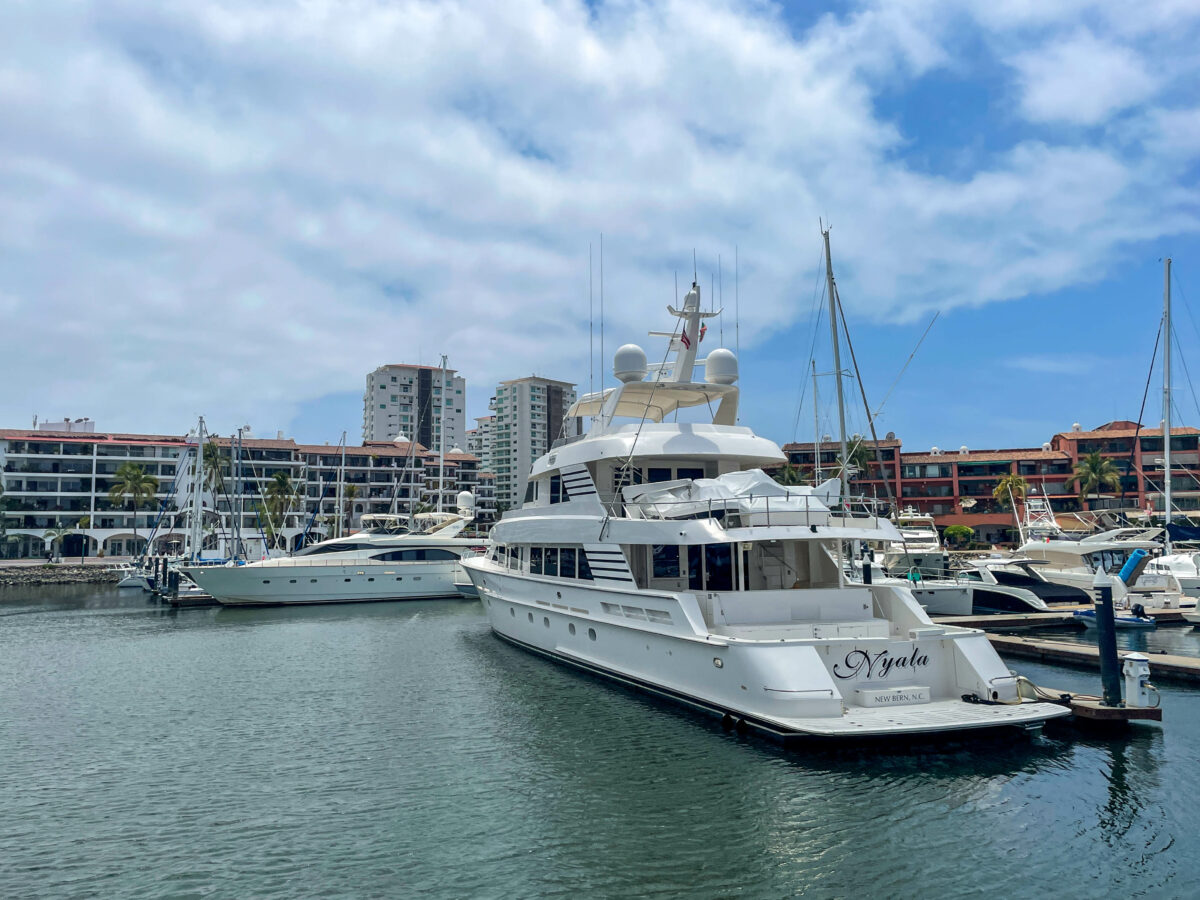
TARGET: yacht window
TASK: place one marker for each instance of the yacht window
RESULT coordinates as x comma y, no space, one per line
566,562
410,555
550,560
689,473
529,492
556,489
535,560
585,570
436,553
653,475
666,560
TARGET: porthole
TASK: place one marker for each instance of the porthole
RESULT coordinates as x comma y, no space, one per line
571,628
292,580
531,617
718,662
591,634
546,621
347,579
370,579
266,581
399,577
312,581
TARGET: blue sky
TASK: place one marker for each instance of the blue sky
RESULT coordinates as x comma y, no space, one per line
238,210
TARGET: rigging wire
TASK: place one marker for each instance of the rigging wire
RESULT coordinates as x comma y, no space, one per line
1145,393
815,313
904,368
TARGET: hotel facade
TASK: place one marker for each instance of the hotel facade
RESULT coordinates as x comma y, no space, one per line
955,486
60,480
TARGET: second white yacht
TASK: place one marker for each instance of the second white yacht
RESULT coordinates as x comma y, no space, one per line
392,558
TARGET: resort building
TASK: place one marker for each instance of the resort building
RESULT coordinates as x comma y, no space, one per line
956,486
407,400
530,415
58,483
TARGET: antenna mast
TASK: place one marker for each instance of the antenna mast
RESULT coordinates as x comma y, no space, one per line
837,359
591,328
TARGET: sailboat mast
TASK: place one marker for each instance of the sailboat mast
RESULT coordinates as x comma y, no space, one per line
195,523
837,360
341,486
1167,396
442,455
816,429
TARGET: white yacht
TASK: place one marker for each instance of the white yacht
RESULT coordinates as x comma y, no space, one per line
1184,565
1014,584
656,552
919,548
393,558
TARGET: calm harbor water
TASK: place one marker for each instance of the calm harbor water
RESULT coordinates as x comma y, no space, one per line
398,749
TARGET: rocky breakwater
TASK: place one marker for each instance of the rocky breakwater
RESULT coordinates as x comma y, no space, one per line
56,573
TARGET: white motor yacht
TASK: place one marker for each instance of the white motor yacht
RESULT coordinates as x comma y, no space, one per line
392,558
657,553
1184,566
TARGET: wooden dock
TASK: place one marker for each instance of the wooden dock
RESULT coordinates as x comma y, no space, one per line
1163,666
1056,618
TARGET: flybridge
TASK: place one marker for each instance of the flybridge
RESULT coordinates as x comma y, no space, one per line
670,386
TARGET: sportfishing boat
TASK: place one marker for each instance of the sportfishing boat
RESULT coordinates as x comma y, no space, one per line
394,557
919,548
656,552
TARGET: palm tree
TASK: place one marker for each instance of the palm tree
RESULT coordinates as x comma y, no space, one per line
55,536
791,474
858,458
1009,488
349,493
278,498
1092,473
216,467
132,484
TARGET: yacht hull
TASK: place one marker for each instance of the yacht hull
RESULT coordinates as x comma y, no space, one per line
295,585
781,687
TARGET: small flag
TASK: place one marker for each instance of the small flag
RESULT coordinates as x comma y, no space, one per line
703,328
685,340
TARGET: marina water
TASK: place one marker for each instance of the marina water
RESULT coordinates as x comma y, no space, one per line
398,749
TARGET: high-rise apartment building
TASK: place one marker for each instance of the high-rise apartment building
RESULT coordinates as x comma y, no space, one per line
530,415
408,400
479,441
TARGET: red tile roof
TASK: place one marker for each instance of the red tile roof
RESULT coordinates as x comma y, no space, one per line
971,456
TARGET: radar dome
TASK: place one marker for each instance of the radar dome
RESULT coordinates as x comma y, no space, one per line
721,367
465,500
629,363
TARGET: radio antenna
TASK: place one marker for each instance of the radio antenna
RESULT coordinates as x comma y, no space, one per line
721,288
591,329
602,356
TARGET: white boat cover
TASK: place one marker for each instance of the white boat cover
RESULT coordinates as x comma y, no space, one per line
752,493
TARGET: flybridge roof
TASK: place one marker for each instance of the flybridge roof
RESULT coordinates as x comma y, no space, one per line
654,399
670,440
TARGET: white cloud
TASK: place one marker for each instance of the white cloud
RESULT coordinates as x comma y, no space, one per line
1081,79
1054,364
210,207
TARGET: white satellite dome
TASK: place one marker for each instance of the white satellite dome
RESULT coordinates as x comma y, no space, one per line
465,500
721,367
629,363
400,438
456,449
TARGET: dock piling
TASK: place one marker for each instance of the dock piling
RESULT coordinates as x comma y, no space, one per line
1110,669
